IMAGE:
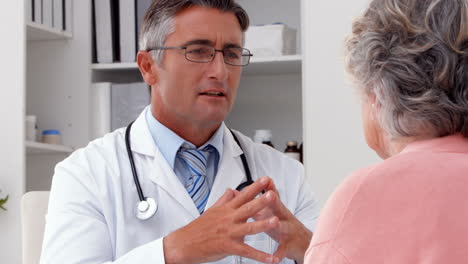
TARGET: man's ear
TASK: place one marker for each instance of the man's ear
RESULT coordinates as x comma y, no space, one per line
148,67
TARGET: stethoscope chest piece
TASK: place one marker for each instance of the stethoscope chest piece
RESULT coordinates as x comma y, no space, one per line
146,208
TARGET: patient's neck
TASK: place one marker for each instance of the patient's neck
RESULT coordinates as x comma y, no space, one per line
396,145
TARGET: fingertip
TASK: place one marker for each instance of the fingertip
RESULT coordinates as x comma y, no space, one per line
270,259
273,220
264,179
270,195
276,260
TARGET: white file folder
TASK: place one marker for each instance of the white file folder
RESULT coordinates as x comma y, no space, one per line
104,31
58,14
47,11
127,29
38,11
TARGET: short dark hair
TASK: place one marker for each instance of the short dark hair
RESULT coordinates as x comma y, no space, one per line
157,24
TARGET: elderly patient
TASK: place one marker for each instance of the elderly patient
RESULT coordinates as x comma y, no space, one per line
409,59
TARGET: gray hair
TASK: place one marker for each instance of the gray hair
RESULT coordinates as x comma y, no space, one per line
159,20
413,56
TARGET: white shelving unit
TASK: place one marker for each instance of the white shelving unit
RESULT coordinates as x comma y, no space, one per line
40,32
37,31
42,148
270,91
258,66
57,78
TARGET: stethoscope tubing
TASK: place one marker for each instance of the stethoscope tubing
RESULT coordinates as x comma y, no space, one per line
150,201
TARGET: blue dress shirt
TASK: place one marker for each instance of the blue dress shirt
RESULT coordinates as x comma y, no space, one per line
169,144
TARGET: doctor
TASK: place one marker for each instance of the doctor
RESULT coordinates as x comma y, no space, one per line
183,206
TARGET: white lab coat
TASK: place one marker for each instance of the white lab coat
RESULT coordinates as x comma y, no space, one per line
91,216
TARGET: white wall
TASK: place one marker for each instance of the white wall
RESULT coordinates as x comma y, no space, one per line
12,107
269,102
335,144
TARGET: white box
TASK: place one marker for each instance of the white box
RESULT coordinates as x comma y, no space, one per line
271,40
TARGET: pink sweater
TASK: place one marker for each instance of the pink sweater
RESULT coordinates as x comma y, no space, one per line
411,208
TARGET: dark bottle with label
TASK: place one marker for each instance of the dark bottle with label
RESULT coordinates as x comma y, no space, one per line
293,151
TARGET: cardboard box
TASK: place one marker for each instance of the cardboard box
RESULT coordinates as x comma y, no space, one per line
271,40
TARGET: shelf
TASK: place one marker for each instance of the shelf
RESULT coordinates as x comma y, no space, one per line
274,65
258,65
42,148
42,32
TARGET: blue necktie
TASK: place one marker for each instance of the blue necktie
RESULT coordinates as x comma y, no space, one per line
197,185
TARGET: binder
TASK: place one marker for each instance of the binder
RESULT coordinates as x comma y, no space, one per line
127,29
128,100
38,11
58,14
104,31
47,8
141,6
30,10
68,15
100,109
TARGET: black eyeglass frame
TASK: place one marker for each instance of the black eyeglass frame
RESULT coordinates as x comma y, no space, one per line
212,58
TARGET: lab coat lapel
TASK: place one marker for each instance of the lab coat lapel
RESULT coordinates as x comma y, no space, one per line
230,171
163,175
158,170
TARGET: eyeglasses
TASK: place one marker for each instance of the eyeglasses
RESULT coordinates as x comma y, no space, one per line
203,54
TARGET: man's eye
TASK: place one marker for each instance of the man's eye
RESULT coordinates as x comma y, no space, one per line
231,54
200,51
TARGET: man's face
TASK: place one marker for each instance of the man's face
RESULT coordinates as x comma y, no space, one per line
185,91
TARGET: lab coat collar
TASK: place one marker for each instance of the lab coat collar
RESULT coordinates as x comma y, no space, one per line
140,137
230,175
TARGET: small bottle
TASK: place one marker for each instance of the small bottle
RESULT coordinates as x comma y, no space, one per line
263,136
292,150
51,137
31,127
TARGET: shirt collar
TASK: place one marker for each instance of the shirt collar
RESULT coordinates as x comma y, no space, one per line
169,142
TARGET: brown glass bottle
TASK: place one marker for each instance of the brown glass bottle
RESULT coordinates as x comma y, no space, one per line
292,150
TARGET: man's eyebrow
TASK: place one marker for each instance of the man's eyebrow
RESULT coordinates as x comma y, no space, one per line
199,42
231,45
209,43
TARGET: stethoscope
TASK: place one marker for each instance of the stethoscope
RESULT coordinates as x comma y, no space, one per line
147,206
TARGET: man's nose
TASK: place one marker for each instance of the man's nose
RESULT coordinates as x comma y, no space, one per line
218,68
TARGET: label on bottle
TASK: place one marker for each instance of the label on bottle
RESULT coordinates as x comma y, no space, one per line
294,155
